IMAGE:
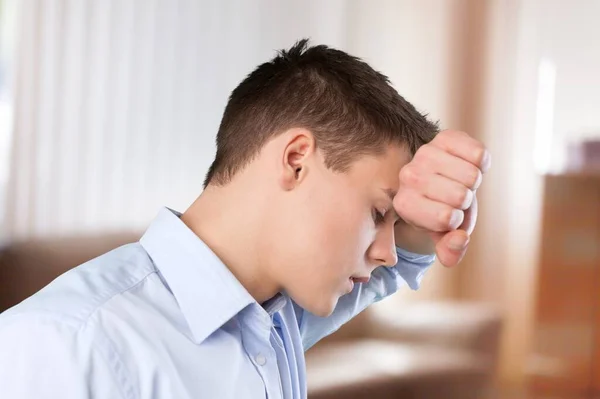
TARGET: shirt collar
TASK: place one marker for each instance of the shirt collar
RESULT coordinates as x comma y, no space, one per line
275,304
207,292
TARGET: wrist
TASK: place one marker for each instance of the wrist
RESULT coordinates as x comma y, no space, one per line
413,239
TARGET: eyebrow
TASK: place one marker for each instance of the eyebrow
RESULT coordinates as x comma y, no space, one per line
391,194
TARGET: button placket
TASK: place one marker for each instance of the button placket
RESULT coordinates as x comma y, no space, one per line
260,359
257,327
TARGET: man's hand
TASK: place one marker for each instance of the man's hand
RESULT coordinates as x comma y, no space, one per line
437,191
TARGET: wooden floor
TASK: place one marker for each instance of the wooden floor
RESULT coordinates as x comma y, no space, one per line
525,395
560,397
514,395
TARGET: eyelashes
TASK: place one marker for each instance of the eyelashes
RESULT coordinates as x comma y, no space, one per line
378,216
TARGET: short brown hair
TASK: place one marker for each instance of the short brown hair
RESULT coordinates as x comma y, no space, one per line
351,109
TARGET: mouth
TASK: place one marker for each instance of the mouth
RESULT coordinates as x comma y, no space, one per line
350,286
360,279
356,280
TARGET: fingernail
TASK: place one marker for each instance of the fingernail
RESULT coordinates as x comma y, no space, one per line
478,182
468,200
458,243
486,162
456,219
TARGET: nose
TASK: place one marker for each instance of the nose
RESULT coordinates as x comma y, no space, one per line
382,251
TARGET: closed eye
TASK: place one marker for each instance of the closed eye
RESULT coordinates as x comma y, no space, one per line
378,216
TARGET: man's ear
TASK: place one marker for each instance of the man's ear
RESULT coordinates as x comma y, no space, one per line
300,145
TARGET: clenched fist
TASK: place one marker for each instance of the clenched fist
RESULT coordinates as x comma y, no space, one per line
437,191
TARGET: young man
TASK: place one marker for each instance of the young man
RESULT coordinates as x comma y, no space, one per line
325,187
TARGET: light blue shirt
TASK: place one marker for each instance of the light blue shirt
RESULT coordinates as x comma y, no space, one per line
165,318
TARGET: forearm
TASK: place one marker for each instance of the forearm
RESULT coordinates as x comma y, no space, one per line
413,239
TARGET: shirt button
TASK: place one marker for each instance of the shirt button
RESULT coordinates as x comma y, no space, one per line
260,359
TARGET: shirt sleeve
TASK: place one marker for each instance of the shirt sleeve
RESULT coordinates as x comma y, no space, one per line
44,358
384,281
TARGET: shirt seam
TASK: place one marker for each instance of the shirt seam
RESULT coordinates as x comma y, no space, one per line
109,344
111,297
113,371
124,383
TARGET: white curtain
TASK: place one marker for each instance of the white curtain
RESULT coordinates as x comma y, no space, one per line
117,102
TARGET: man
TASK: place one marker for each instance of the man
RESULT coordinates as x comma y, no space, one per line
326,188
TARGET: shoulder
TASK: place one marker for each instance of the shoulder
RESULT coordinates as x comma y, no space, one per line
73,297
45,354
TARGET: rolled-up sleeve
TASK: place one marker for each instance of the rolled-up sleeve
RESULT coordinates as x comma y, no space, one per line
384,281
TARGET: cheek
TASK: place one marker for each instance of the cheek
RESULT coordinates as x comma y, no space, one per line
347,233
332,228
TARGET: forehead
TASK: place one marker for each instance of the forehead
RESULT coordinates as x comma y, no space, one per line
381,169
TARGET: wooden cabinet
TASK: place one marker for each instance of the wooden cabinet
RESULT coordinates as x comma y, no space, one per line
566,339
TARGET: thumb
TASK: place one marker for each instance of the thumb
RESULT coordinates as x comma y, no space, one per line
451,247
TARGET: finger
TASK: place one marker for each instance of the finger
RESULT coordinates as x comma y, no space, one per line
470,219
425,213
465,147
451,248
436,160
442,189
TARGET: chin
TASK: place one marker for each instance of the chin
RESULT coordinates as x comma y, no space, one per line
321,309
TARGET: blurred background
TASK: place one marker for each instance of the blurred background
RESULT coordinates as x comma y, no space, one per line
109,110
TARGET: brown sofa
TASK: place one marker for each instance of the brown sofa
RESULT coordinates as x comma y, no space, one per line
434,350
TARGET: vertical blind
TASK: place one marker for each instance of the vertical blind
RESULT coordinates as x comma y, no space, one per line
117,103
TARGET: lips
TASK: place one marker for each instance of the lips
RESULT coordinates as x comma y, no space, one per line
360,279
350,286
355,280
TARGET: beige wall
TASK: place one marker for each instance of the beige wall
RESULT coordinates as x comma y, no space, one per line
488,69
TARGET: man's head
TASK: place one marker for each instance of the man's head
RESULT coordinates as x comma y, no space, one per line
320,137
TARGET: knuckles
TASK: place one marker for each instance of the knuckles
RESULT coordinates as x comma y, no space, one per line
410,176
444,218
473,177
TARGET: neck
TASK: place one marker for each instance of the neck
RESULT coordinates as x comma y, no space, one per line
228,220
